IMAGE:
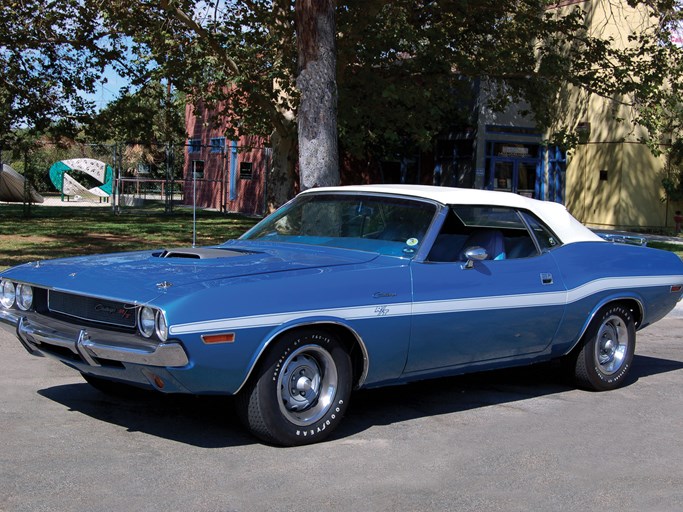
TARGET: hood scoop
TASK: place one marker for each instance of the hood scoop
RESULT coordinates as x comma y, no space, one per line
199,253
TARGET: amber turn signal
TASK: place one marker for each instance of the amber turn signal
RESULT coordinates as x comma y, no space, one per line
228,337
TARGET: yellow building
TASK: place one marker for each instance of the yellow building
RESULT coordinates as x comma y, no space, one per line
612,178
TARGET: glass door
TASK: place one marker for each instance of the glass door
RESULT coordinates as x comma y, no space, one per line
513,175
512,167
503,175
525,182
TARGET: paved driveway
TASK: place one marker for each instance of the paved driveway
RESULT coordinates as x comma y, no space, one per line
508,441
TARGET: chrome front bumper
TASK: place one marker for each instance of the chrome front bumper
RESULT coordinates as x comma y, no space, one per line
43,336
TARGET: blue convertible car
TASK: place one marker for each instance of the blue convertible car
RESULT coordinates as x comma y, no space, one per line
345,288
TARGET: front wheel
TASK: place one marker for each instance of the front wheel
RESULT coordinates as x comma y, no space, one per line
300,390
605,357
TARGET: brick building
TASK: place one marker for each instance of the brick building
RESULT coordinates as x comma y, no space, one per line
229,174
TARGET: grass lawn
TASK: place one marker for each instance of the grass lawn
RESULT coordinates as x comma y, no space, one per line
56,231
668,246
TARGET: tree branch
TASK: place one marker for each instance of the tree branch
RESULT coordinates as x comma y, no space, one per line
193,25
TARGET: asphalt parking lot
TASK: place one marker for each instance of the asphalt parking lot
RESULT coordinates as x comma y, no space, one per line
513,440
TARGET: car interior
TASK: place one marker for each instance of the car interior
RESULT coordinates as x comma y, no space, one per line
501,232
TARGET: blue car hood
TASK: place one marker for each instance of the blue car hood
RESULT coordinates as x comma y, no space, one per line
137,276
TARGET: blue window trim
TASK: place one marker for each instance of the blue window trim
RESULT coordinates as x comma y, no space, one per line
233,170
194,145
517,131
217,144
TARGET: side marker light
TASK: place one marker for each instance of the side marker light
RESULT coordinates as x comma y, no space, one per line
228,337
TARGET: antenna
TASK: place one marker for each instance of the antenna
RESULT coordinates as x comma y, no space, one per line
194,203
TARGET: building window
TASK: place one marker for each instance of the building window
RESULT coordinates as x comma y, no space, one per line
198,169
194,145
246,170
217,144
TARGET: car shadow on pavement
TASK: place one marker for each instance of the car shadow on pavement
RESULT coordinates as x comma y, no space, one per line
202,421
644,366
384,406
210,422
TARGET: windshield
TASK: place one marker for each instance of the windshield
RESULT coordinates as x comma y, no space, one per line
385,225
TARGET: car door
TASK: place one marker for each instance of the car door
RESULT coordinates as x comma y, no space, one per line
467,312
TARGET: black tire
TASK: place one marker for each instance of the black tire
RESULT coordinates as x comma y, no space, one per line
607,349
300,390
110,387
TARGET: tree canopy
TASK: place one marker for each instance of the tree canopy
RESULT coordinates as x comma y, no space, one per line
405,68
152,115
50,53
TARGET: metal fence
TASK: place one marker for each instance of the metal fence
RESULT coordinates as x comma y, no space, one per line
232,177
137,174
138,191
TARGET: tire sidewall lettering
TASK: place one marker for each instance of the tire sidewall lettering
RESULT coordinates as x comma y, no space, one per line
276,425
320,340
611,379
322,425
600,379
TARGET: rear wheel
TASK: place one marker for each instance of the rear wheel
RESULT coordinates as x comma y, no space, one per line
608,345
300,390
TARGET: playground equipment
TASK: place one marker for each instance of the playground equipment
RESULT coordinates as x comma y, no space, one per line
13,185
61,175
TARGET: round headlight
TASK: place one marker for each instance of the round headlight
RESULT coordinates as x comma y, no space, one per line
162,326
7,294
146,322
24,297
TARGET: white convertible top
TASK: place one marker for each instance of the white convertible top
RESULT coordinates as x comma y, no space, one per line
555,215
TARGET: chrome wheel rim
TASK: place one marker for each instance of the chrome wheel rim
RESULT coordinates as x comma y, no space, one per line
611,345
307,385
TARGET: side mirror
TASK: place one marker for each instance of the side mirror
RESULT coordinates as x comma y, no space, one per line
474,253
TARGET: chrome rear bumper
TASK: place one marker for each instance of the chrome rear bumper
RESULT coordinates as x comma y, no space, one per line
94,347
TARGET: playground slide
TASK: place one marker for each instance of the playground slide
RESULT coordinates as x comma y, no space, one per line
12,187
60,175
71,187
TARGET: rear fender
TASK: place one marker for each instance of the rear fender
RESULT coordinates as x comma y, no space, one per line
631,300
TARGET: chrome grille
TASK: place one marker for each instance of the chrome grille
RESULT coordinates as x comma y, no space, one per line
92,309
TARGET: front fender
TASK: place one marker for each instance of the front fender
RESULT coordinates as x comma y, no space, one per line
226,367
320,322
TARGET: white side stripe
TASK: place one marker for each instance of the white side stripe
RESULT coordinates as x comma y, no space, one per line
620,283
527,300
246,322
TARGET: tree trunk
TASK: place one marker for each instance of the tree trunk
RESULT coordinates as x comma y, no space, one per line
317,84
280,179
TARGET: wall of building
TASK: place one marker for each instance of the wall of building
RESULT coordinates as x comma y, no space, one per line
612,179
233,176
617,184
